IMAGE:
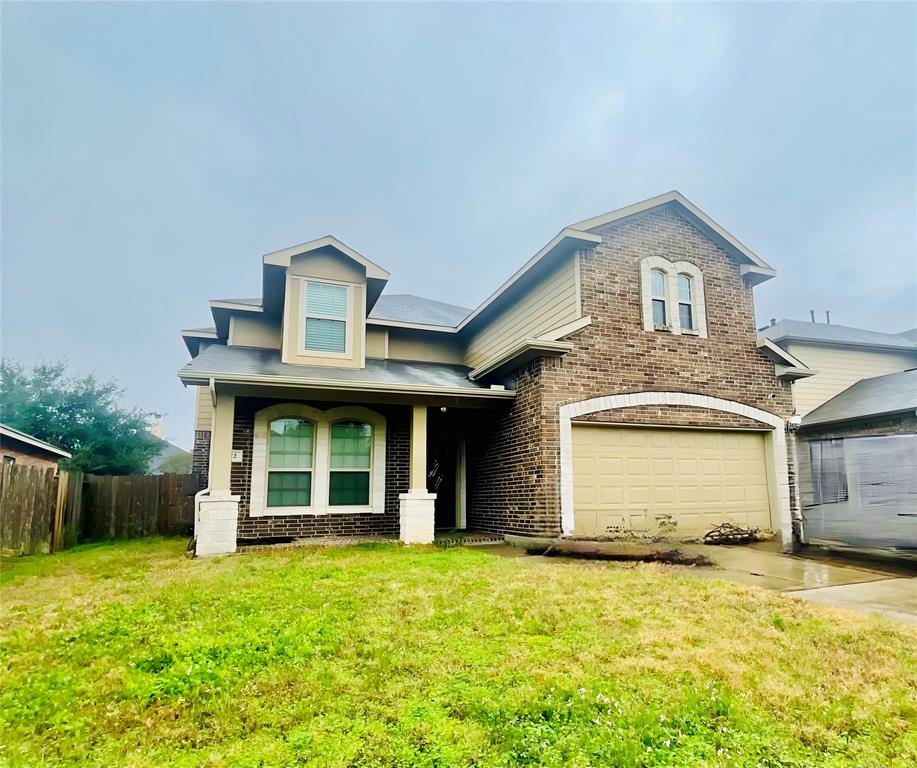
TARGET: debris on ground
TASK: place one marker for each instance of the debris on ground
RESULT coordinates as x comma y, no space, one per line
727,533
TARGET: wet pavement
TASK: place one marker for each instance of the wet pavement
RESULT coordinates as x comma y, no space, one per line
869,586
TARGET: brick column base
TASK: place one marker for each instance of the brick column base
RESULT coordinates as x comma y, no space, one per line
216,515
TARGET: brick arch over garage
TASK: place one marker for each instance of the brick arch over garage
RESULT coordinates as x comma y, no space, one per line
775,446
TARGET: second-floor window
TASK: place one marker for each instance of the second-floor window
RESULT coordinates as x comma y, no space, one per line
659,293
686,302
326,317
672,297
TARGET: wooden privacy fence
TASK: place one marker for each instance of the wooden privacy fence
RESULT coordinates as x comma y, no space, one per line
132,506
42,510
39,509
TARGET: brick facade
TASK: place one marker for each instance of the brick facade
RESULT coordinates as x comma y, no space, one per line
614,355
28,456
200,456
301,526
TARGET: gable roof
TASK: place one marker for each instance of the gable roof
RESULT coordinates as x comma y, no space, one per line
22,437
880,395
407,308
283,257
801,330
738,250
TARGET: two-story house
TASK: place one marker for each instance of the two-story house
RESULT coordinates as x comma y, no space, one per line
613,384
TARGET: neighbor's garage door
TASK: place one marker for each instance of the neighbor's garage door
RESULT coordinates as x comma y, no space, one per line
635,478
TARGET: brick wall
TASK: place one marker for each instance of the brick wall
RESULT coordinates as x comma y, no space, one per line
298,526
200,456
614,355
27,457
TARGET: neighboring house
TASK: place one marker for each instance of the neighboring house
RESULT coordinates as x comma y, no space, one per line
839,356
858,464
19,448
168,458
614,383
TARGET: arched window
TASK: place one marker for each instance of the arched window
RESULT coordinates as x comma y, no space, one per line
686,313
351,459
659,293
291,452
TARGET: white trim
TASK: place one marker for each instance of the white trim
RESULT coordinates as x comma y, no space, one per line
567,233
461,492
412,326
733,245
385,348
321,463
672,269
219,304
191,333
301,349
781,354
775,447
283,257
565,330
22,437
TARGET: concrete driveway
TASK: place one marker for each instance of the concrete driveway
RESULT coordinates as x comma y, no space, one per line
870,587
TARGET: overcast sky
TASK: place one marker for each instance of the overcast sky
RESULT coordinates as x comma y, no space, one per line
152,153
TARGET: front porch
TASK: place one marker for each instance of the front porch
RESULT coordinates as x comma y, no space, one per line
289,466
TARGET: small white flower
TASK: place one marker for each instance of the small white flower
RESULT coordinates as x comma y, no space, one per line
661,718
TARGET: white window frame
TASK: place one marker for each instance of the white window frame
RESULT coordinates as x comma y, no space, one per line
369,469
321,471
269,468
304,314
672,270
664,299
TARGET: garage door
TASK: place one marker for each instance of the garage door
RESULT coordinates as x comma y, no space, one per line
682,480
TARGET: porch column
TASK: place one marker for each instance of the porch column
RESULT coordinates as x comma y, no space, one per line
416,506
216,509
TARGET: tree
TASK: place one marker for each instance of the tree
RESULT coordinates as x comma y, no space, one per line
80,415
177,464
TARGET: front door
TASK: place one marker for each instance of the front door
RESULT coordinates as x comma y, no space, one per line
441,462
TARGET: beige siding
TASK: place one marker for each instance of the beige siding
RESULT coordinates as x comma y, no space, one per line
376,342
203,410
253,330
838,368
429,346
550,303
294,328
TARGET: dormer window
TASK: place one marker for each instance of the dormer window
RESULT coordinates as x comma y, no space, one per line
660,298
672,297
685,303
326,317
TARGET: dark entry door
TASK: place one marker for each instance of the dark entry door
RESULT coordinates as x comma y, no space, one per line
441,457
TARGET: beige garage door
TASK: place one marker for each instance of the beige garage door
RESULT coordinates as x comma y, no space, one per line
679,480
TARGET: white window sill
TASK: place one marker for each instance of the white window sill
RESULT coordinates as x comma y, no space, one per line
663,328
315,511
690,332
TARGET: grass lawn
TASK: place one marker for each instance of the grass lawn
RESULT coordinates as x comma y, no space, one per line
130,654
